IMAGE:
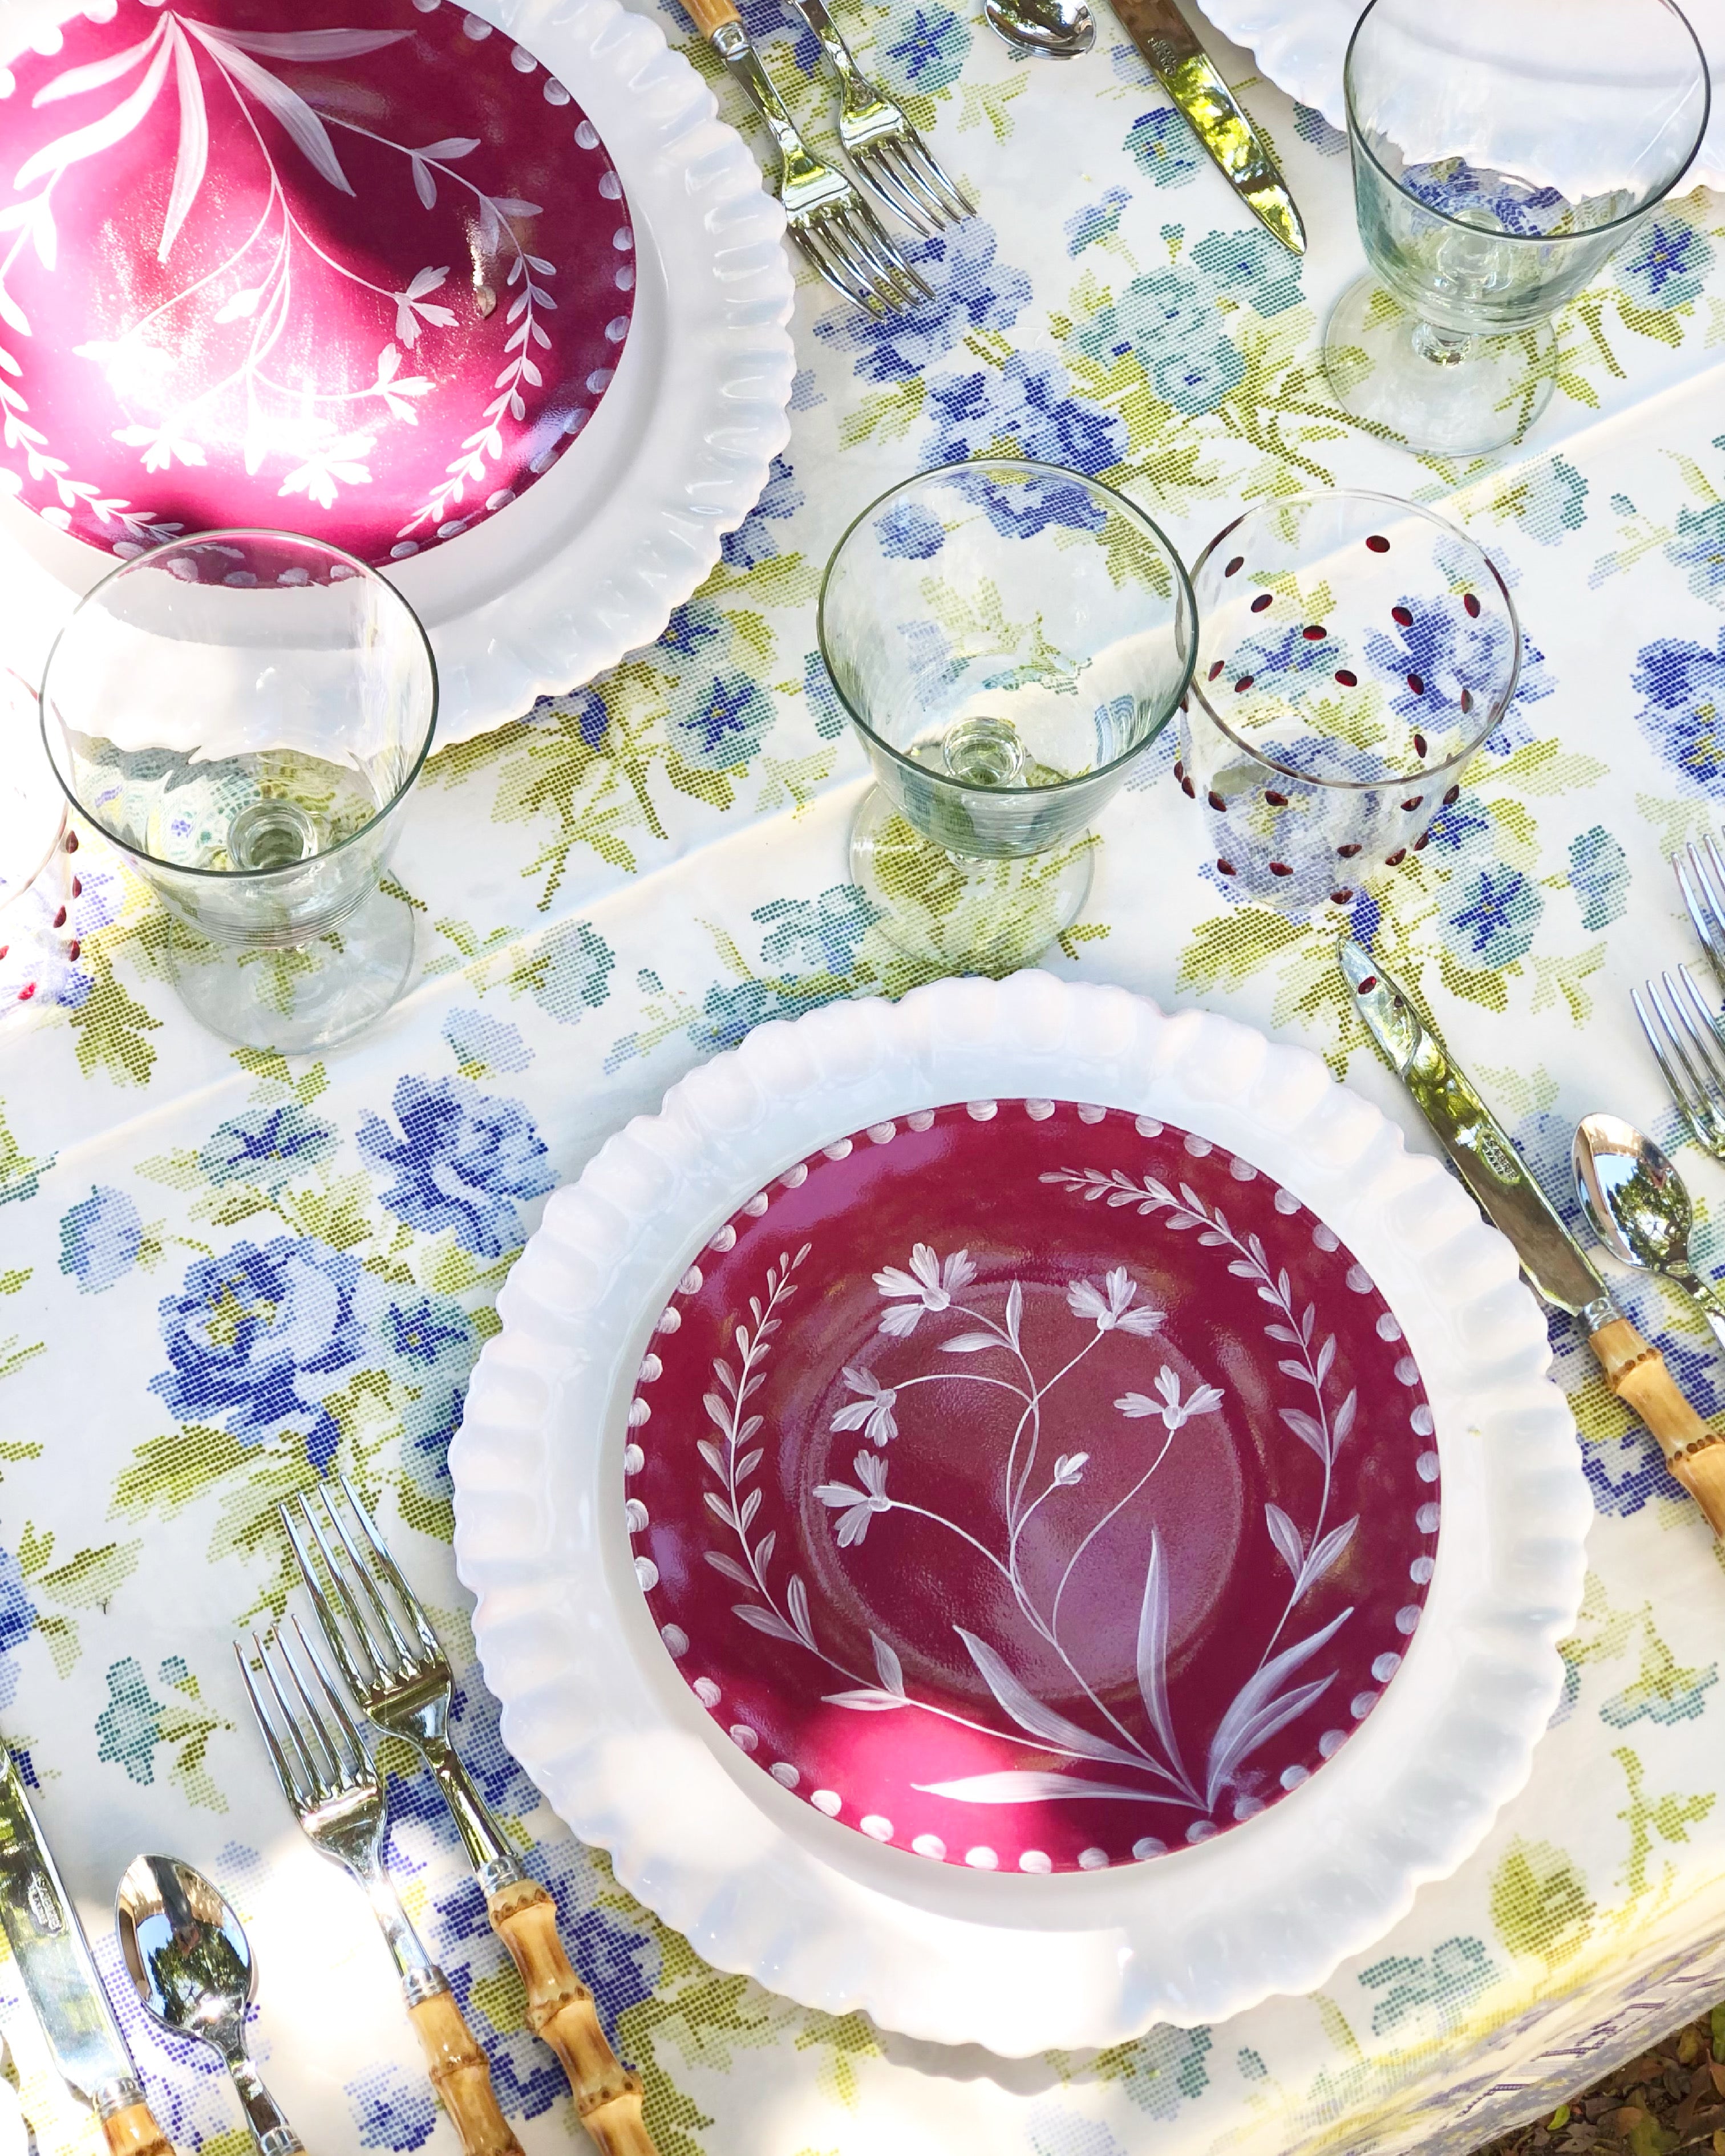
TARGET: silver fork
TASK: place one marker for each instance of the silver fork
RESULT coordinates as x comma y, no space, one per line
333,1787
836,231
400,1675
1685,1037
886,150
1701,878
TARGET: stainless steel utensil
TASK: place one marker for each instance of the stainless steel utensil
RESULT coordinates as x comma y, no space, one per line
1554,1264
335,1791
190,1960
1058,29
1640,1208
1685,1038
53,1957
885,150
1701,878
1189,75
837,232
400,1675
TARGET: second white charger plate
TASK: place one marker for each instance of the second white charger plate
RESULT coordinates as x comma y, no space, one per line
761,1883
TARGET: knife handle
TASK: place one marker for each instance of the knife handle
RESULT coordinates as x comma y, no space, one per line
1636,1372
710,15
560,2009
133,2132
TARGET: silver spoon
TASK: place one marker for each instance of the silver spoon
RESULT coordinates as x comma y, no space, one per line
1060,29
193,1969
1640,1209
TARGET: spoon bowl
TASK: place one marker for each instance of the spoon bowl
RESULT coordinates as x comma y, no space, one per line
188,1956
1639,1207
1059,29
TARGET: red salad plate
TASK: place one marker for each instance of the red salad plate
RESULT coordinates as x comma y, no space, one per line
1033,1486
358,268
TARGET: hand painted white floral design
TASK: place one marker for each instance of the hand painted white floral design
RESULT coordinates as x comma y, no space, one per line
931,1284
860,1506
1115,1309
304,425
873,1412
1144,1763
1173,1410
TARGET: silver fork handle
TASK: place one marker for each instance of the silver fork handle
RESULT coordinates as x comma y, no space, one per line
263,2115
1707,1298
491,1855
420,1976
729,41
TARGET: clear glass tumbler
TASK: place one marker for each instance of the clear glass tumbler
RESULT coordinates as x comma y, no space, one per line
1006,637
1354,652
1503,150
244,713
36,939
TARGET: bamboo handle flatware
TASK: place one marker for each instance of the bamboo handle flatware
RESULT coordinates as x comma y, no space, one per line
396,1668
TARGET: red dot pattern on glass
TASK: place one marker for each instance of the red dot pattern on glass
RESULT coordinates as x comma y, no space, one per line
1217,802
1280,868
1416,682
1262,600
1366,985
1402,615
1467,700
1315,634
1411,805
1378,543
1395,860
1226,868
1418,744
1348,677
1452,796
1340,897
1215,670
1241,686
1348,853
1235,566
1275,800
1470,600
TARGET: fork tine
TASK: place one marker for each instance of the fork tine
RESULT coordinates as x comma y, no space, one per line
855,263
1704,911
898,282
909,175
1652,1025
1711,876
1702,1028
874,165
392,1573
925,176
828,272
368,1580
1688,1090
337,1728
278,1758
363,1681
296,1734
936,178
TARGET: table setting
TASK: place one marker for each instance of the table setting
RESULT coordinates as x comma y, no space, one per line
861,931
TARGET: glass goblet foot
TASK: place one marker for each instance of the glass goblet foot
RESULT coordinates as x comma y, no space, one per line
299,997
961,912
1441,391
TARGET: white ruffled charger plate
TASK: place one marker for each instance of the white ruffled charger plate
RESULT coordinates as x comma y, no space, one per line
759,1881
587,564
1300,45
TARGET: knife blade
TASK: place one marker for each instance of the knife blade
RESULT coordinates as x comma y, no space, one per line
1555,1264
1187,74
48,1943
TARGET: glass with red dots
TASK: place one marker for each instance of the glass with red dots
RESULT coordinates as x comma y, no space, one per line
1353,652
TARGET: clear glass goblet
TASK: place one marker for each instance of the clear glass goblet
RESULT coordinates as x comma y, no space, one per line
1503,150
1006,637
1354,651
244,713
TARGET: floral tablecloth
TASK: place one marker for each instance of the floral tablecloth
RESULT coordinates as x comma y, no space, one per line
221,1274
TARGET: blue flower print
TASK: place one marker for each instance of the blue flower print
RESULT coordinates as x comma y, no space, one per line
1249,265
972,291
1599,876
1163,146
1028,406
907,533
1552,500
1169,320
17,1620
464,1161
1310,126
694,625
822,935
1683,686
730,1014
1666,265
482,1044
1100,220
251,1332
928,54
718,724
570,973
390,2111
1438,648
266,1147
1491,919
822,697
584,708
429,1345
753,540
100,1239
1699,547
1457,189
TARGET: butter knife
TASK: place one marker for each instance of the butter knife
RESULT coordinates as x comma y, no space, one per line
1555,1266
53,1957
1189,75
